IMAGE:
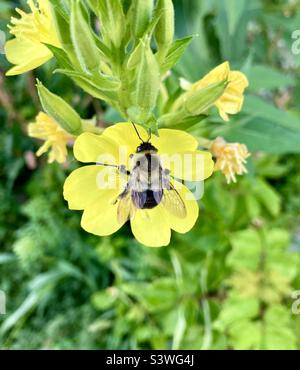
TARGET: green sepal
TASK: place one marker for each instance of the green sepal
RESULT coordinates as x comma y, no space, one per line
200,101
83,39
179,121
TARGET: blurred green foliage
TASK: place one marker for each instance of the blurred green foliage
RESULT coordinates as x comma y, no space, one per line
226,284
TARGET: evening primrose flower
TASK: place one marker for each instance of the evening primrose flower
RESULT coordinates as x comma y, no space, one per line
32,31
100,189
56,139
232,100
230,158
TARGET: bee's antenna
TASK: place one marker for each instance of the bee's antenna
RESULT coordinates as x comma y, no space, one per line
136,130
150,135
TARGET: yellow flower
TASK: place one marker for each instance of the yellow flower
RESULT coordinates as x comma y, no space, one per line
32,31
100,190
56,139
232,100
231,158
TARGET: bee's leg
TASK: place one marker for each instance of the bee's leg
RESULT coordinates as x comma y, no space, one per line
120,196
122,169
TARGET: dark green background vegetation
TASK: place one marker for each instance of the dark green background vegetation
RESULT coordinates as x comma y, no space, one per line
226,284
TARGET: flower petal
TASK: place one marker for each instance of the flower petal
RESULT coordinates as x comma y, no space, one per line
124,134
232,100
218,74
26,55
101,218
150,227
90,185
96,148
190,166
174,141
168,141
183,225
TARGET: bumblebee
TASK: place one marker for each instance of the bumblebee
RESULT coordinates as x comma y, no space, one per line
149,185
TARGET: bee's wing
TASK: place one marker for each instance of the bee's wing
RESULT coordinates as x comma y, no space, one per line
139,198
173,202
124,206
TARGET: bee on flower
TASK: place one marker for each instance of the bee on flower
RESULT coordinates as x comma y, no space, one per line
232,99
56,139
145,190
32,31
230,158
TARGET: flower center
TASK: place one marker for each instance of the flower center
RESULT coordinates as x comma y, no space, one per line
37,26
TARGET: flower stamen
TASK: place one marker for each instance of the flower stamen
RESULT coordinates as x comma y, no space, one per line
230,158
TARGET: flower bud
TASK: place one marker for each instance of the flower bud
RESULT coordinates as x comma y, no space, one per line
198,102
147,80
141,16
111,15
83,40
60,111
164,32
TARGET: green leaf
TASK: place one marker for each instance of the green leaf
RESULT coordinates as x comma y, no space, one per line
7,258
278,329
61,57
157,296
160,295
88,86
26,307
246,250
266,128
267,77
179,330
104,300
236,309
234,11
61,15
175,53
252,205
257,107
105,83
245,334
268,197
231,28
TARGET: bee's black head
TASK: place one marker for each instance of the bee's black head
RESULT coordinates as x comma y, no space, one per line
146,147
